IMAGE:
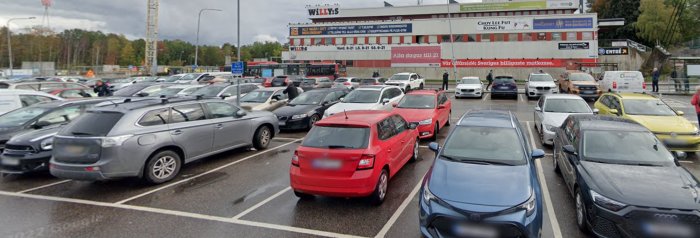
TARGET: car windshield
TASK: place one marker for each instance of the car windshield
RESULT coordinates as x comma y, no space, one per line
189,77
566,106
470,81
504,80
337,137
417,101
172,78
581,77
257,96
341,80
309,98
623,147
362,96
309,81
166,92
399,77
488,145
20,116
189,91
541,78
368,81
129,91
647,107
209,91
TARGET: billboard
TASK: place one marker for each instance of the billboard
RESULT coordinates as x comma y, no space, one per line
574,46
351,29
613,51
497,6
513,63
563,23
503,24
415,56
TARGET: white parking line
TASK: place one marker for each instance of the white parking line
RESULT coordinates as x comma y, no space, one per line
483,98
545,190
205,173
180,214
256,206
285,138
686,161
44,186
520,97
397,213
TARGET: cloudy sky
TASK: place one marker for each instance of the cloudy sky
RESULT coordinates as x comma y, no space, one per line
261,20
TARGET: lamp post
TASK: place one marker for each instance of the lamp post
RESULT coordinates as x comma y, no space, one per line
238,50
199,19
9,39
452,43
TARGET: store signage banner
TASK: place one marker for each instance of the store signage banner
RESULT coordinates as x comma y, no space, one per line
415,56
574,46
512,63
351,29
312,48
503,25
613,51
495,6
563,23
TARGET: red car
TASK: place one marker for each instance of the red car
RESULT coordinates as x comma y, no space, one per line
431,109
353,154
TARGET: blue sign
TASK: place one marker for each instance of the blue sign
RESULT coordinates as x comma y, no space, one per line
194,67
237,68
266,73
562,23
351,29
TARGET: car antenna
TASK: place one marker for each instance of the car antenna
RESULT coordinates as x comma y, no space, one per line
346,114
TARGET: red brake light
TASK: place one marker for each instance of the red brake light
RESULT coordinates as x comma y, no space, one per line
375,83
614,84
644,85
346,83
366,162
295,159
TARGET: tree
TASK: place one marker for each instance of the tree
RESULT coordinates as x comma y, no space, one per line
127,56
627,9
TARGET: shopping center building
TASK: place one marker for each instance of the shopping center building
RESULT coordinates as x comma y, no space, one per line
511,37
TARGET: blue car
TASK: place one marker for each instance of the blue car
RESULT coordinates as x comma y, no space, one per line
504,86
483,182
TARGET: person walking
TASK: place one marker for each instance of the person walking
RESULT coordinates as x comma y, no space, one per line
686,80
102,89
489,78
445,80
676,81
655,80
291,91
696,101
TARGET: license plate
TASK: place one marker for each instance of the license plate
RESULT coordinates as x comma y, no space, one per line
75,149
326,164
502,87
283,123
10,161
469,230
586,92
667,230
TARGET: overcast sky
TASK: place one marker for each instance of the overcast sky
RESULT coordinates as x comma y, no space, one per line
261,20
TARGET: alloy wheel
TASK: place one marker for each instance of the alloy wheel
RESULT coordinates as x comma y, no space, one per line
164,167
415,150
383,184
265,136
579,210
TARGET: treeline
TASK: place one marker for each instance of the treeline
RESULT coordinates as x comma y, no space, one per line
87,48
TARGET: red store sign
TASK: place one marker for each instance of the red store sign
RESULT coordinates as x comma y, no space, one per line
415,56
514,63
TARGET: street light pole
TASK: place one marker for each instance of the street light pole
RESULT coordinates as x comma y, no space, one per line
199,19
452,43
9,40
238,51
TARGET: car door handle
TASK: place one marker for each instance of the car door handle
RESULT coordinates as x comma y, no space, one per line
176,132
219,126
388,150
403,141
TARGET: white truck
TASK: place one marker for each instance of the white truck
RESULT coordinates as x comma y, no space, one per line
406,81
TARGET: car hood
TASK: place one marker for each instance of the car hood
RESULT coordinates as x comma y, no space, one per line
32,137
488,185
556,119
542,84
290,110
664,124
468,86
340,107
396,81
672,187
415,115
577,83
7,132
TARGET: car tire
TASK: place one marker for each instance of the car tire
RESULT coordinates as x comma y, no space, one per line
380,190
408,89
162,167
436,131
541,134
262,138
313,119
421,86
581,215
303,196
416,151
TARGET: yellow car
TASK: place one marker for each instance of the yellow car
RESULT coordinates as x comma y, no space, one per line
668,125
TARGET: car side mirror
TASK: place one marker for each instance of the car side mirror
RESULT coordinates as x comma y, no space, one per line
394,104
538,109
441,107
614,111
680,113
434,147
680,155
596,111
142,94
40,124
385,101
225,95
569,149
413,125
241,113
342,100
537,153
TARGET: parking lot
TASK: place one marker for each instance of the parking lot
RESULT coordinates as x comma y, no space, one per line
246,193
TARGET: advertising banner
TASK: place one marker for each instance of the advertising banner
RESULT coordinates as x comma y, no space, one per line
503,25
340,48
497,6
613,51
574,46
415,56
351,29
513,63
563,23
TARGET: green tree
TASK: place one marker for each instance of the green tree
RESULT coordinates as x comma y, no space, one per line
127,56
627,9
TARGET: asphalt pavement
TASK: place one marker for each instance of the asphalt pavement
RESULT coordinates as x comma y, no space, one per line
246,193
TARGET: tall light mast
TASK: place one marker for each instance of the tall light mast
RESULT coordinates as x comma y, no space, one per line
151,61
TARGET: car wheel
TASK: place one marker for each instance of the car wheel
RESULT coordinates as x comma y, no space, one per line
303,196
421,86
581,220
162,167
312,121
436,131
379,194
416,152
541,134
262,138
408,89
555,163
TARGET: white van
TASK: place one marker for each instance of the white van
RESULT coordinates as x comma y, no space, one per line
623,81
11,99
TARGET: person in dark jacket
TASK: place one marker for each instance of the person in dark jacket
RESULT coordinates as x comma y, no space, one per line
291,91
445,80
676,80
102,89
489,78
655,80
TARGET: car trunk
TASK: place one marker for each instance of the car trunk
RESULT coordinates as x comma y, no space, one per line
323,161
77,150
278,82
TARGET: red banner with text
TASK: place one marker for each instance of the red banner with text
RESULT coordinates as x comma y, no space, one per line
415,56
515,63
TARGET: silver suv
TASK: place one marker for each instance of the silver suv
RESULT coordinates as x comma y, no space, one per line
153,138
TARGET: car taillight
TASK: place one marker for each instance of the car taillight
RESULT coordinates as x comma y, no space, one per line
366,162
295,159
375,83
614,84
346,83
644,85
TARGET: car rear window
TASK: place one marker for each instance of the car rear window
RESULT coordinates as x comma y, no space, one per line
92,124
341,80
337,137
368,81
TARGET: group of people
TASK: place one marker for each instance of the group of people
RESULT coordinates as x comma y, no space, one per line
446,79
677,81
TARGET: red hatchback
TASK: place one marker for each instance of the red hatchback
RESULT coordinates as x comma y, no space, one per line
431,109
353,154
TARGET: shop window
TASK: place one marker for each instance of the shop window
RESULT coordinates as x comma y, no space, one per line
349,41
471,38
349,63
372,40
499,37
527,36
541,36
518,13
588,35
556,36
526,13
513,37
407,39
509,13
420,39
297,41
328,41
395,39
432,39
571,36
384,40
338,40
307,41
485,37
361,40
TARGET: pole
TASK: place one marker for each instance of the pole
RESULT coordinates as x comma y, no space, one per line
196,46
9,40
452,43
238,51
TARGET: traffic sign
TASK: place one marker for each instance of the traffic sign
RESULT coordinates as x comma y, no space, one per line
237,68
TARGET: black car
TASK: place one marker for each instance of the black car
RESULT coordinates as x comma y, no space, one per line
624,181
504,86
307,108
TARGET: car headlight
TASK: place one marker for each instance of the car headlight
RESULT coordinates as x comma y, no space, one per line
529,205
607,203
114,141
427,195
47,144
299,116
549,127
426,121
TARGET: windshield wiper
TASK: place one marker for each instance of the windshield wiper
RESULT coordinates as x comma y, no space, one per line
475,161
